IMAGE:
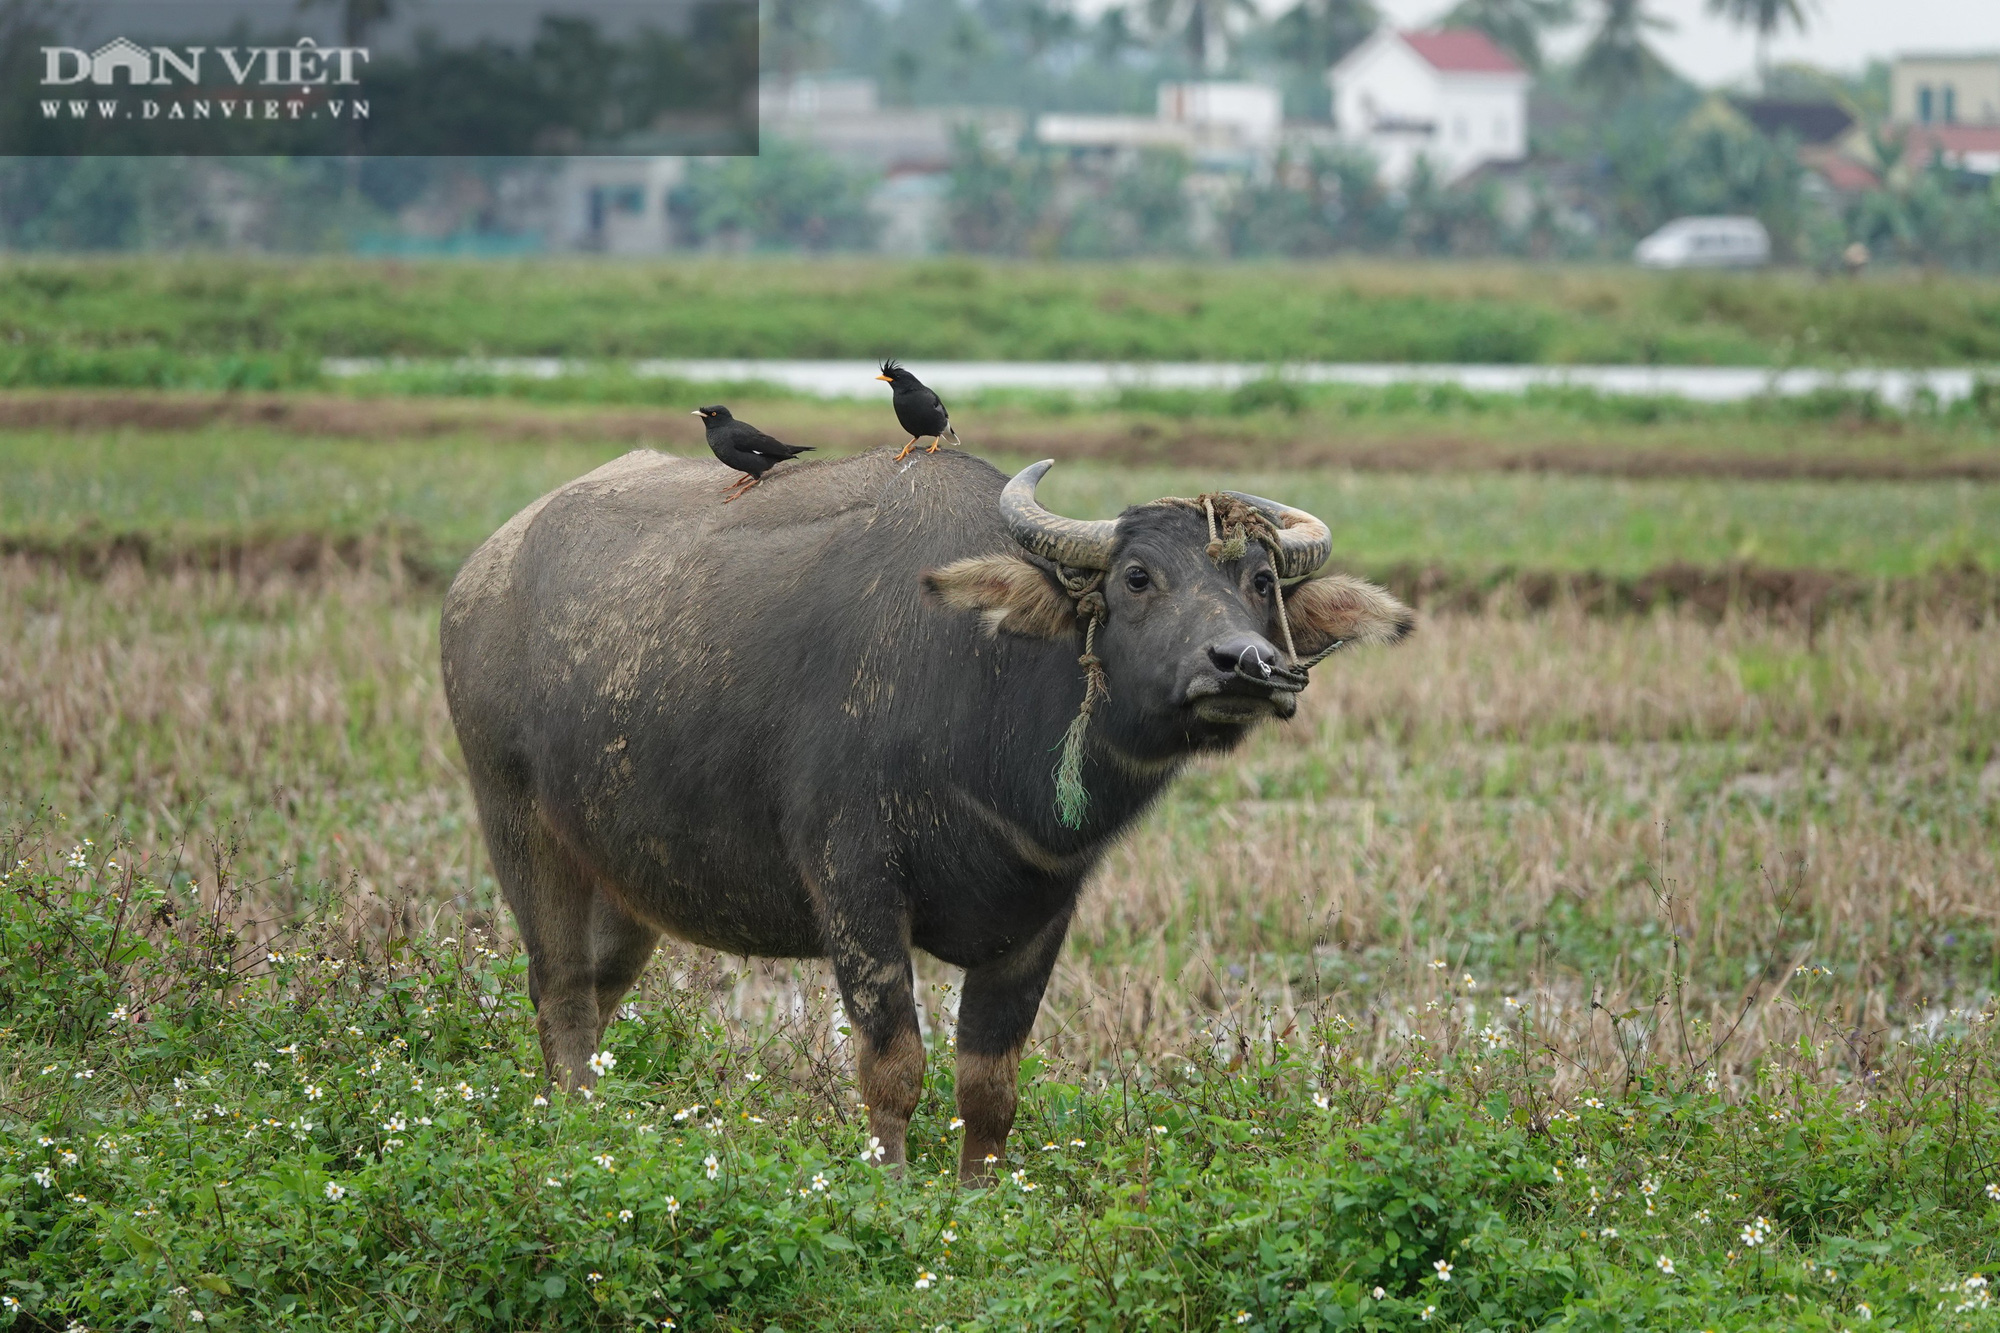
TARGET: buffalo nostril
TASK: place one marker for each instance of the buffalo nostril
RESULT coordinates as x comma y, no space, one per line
1247,657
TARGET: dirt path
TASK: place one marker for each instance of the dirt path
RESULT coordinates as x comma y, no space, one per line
1107,438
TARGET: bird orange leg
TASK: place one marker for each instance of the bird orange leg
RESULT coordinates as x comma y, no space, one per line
906,449
936,440
736,492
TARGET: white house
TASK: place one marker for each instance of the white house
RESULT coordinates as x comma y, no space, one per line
1216,122
1450,97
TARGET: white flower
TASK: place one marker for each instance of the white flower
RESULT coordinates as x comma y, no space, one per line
924,1280
1242,1316
950,1235
1665,1264
1078,1143
45,1177
553,1182
197,1316
956,1123
261,1066
84,1074
539,1100
1608,1233
687,1111
1443,1270
1021,1178
605,1161
1159,1129
1593,1103
711,1166
1468,982
593,1277
314,1092
1437,964
335,1192
1864,1311
1756,1232
624,1214
1321,1100
753,1077
1379,1294
673,1206
1429,1310
69,1158
819,1181
602,1063
1049,1146
874,1152
1993,1190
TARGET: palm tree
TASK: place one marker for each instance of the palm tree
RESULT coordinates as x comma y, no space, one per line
1516,25
1766,16
1315,34
1617,60
1203,25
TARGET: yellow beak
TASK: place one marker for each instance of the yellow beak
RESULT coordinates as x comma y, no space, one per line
885,379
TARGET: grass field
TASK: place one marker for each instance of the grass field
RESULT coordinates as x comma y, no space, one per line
1638,968
211,321
442,496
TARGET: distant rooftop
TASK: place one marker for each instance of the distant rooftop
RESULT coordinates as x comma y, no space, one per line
1811,122
1461,51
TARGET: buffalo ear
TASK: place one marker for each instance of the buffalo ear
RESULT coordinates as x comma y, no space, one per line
1008,591
1338,607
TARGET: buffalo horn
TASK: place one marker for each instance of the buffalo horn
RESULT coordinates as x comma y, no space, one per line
1303,541
1078,543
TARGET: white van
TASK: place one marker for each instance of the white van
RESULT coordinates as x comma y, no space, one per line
1706,243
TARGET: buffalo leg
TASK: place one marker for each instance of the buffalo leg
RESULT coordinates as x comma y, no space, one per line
995,1014
621,946
577,940
872,964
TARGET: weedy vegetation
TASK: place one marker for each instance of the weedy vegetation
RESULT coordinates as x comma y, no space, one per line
166,321
1559,969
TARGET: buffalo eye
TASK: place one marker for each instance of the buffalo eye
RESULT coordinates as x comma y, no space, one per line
1137,579
1264,582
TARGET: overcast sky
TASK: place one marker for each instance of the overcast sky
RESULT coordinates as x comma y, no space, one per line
1844,35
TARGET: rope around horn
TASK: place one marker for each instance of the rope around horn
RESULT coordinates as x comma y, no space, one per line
1232,526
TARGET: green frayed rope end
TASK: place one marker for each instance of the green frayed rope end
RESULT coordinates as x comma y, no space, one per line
1071,798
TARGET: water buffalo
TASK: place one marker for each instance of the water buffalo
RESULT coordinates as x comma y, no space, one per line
823,722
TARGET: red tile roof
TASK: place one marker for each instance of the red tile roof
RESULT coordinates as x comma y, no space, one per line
1839,171
1461,51
1950,140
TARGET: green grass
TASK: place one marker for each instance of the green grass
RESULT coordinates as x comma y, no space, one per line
58,314
1753,848
317,1133
452,492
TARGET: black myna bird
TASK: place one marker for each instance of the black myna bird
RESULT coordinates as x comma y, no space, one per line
920,410
742,446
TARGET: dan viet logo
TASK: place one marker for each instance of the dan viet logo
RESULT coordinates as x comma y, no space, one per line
223,84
